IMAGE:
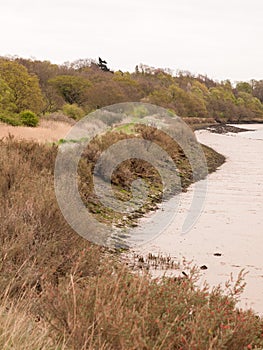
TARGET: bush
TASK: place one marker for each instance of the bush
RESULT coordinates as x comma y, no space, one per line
10,119
29,118
73,111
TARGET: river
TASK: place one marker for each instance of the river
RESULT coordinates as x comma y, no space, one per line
231,222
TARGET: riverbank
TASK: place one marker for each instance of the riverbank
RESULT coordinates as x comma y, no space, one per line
57,290
51,131
227,178
228,235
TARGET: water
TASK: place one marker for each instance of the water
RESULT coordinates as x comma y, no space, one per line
256,133
231,221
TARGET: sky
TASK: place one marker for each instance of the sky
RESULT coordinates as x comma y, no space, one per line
222,39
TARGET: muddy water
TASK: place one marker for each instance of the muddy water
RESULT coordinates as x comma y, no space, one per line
231,222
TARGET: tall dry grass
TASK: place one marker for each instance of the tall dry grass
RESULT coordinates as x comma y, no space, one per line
58,291
20,331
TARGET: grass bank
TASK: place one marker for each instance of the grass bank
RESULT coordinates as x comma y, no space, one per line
59,291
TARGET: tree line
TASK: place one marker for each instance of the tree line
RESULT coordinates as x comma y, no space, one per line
79,87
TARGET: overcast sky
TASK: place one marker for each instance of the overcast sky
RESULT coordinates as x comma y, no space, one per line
220,38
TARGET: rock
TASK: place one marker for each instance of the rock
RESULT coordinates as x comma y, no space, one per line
203,267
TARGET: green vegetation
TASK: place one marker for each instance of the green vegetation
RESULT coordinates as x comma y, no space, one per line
10,118
58,291
21,88
73,111
24,118
28,118
82,86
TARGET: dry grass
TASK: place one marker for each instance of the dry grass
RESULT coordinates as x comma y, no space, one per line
60,292
48,130
20,330
125,311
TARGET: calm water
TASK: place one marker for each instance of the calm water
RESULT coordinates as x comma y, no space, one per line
231,221
256,133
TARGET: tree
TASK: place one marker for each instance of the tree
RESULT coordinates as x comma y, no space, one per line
24,86
252,103
244,87
222,103
185,104
258,89
103,65
72,88
6,97
45,71
130,87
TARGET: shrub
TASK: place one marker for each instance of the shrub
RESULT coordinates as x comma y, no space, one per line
10,119
29,118
73,111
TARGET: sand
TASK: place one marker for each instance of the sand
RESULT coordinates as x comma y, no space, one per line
231,222
47,131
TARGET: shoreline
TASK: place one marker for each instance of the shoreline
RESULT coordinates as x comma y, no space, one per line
220,267
51,131
231,221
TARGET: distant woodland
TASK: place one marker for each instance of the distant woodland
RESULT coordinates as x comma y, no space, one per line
77,88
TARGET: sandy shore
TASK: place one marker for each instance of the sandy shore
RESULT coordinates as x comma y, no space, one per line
47,131
231,222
